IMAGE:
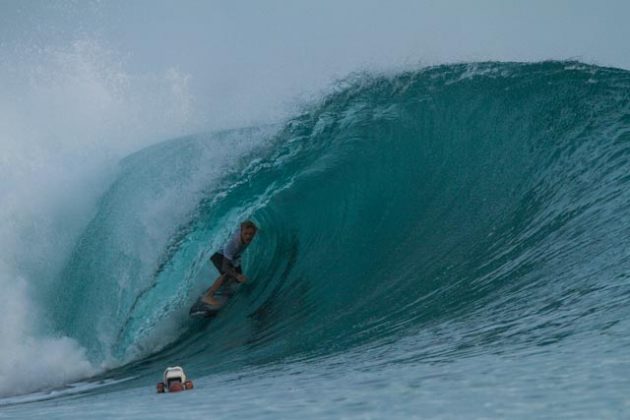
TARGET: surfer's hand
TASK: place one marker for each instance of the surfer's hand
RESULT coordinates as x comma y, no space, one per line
241,278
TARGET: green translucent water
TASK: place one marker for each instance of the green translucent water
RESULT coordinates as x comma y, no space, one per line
449,242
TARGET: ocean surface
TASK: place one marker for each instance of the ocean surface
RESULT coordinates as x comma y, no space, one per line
447,242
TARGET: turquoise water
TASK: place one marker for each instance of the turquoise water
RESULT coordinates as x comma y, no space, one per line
446,242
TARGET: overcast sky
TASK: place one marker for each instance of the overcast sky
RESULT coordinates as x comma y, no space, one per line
239,50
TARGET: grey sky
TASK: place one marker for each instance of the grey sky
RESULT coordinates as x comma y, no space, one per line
238,52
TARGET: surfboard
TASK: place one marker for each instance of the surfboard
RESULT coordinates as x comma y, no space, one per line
202,309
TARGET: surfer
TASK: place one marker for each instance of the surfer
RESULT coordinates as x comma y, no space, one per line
228,259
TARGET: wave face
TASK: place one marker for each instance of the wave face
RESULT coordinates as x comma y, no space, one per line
487,203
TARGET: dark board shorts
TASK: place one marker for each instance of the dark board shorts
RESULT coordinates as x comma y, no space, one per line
218,260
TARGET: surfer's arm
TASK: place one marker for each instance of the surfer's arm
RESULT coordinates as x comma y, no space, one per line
230,270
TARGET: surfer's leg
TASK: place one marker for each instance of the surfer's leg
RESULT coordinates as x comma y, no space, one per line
209,296
217,260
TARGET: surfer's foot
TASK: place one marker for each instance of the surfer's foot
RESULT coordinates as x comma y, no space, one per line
210,300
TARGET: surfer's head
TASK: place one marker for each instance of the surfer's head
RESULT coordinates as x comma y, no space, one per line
248,231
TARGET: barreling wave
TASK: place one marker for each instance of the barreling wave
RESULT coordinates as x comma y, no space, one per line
487,202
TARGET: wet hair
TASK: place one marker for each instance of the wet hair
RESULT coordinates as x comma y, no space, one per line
248,224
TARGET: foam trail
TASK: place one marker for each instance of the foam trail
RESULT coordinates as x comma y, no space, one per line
30,362
67,115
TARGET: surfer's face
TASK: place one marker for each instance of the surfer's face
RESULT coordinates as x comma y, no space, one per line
247,235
